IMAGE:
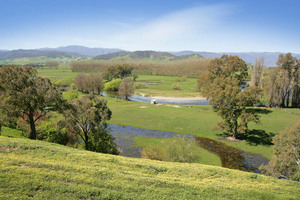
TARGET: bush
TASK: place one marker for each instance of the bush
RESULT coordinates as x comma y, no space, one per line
182,149
178,149
113,85
65,82
71,94
153,153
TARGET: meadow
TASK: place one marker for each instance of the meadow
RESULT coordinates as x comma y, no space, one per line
31,169
194,120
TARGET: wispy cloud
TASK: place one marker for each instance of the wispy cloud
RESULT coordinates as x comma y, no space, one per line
177,27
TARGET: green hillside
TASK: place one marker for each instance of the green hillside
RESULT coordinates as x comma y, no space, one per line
40,170
136,55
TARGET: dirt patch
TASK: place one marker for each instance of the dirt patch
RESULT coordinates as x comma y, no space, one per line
7,149
179,98
174,106
144,107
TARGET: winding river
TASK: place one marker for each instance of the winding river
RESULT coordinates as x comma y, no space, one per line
230,157
138,98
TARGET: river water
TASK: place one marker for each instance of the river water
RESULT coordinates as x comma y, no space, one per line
230,157
138,98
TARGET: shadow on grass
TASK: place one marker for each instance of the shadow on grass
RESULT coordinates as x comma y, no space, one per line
257,137
260,110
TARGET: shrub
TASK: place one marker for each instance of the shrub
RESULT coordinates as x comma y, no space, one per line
182,149
153,153
113,85
178,149
71,94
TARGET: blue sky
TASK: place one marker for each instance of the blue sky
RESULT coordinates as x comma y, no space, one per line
163,25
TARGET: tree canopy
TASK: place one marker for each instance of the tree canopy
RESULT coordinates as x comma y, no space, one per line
286,157
117,71
223,84
126,88
87,118
27,96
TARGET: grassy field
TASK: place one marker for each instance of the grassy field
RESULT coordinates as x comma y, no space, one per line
165,85
56,74
198,121
40,170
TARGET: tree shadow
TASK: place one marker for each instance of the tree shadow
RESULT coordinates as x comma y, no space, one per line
260,110
257,137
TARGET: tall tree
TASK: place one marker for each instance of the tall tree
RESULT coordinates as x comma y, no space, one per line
222,85
52,64
257,73
87,118
27,96
291,65
126,88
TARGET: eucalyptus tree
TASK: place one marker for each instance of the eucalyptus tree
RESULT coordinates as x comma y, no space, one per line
28,96
222,85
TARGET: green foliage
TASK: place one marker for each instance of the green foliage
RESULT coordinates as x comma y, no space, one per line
139,85
286,158
65,82
71,94
222,85
87,119
117,71
51,64
177,149
176,87
113,85
27,96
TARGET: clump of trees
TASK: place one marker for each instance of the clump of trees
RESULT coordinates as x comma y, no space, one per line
286,157
117,71
39,108
191,67
27,96
51,64
223,84
89,83
284,87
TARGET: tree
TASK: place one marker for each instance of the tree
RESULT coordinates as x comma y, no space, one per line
117,71
222,85
87,118
286,157
291,65
126,88
257,73
89,83
52,64
27,96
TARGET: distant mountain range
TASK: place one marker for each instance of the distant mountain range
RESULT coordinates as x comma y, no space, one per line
107,53
85,51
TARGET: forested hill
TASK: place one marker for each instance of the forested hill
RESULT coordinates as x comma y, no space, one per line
136,55
35,53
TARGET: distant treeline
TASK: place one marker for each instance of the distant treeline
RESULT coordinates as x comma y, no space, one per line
191,67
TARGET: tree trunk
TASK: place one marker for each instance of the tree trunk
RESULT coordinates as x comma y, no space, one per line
86,141
32,127
235,126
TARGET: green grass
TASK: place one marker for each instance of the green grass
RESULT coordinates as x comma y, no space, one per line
9,132
56,74
196,120
39,170
165,86
63,61
206,157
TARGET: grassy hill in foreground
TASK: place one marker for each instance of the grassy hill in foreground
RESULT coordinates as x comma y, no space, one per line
40,170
